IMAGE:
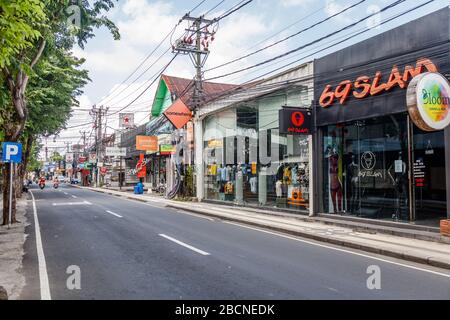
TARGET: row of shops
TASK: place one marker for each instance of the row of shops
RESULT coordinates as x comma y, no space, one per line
361,132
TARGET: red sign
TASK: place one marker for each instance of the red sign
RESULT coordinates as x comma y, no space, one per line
364,86
141,167
82,159
178,114
103,171
295,121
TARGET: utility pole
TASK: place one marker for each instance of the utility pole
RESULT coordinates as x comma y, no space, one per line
83,135
98,114
198,51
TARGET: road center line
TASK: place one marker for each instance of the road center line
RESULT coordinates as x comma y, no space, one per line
43,275
84,203
114,214
203,253
341,250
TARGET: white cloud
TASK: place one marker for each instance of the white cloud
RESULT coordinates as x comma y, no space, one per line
146,23
332,8
295,3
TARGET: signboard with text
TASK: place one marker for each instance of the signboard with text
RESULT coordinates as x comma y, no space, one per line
295,121
147,143
178,114
116,152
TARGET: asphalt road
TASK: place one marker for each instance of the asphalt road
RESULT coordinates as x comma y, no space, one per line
131,250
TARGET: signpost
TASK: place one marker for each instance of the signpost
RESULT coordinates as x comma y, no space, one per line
12,153
116,152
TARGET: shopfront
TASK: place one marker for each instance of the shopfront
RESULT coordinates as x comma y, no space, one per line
249,159
375,158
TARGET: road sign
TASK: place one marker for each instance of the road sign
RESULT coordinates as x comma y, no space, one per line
12,152
93,158
116,152
126,120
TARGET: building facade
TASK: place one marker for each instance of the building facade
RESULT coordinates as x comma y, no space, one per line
373,161
242,155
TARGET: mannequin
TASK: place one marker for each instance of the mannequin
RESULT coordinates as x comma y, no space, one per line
335,183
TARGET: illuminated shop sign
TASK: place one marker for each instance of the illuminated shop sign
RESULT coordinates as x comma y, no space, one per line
295,121
428,101
364,86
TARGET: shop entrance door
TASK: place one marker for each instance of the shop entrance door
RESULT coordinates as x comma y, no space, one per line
428,183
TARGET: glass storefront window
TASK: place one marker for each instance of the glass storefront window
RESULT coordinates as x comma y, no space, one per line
429,183
247,161
365,167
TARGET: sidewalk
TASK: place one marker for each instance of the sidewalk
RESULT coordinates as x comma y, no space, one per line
11,251
353,235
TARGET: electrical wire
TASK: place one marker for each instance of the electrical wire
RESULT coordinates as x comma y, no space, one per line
288,37
310,43
148,87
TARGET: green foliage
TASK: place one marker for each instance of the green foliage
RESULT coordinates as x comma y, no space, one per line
53,92
20,22
34,165
56,157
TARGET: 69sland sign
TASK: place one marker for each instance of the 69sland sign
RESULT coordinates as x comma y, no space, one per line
295,121
428,101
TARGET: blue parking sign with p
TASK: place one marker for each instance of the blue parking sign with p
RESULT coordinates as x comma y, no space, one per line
12,152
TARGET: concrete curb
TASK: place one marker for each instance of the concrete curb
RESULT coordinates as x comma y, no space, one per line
340,242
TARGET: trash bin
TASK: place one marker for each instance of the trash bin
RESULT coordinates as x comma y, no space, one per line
139,189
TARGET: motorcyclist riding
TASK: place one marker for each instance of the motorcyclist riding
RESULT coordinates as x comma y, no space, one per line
55,182
42,182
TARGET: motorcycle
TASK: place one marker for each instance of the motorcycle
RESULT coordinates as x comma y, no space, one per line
56,185
42,185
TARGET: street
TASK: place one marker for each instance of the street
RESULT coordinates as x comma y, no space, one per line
130,250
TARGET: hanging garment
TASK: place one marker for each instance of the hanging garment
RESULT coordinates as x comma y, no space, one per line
295,178
278,188
287,175
228,173
229,188
219,174
214,169
223,176
254,184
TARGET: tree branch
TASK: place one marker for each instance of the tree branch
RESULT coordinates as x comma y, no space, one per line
38,54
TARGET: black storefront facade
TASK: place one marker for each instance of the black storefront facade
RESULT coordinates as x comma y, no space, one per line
372,160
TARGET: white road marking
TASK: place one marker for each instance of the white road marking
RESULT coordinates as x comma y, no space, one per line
114,214
74,197
65,193
84,203
43,275
342,250
203,253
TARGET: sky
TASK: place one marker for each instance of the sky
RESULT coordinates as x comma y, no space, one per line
143,24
